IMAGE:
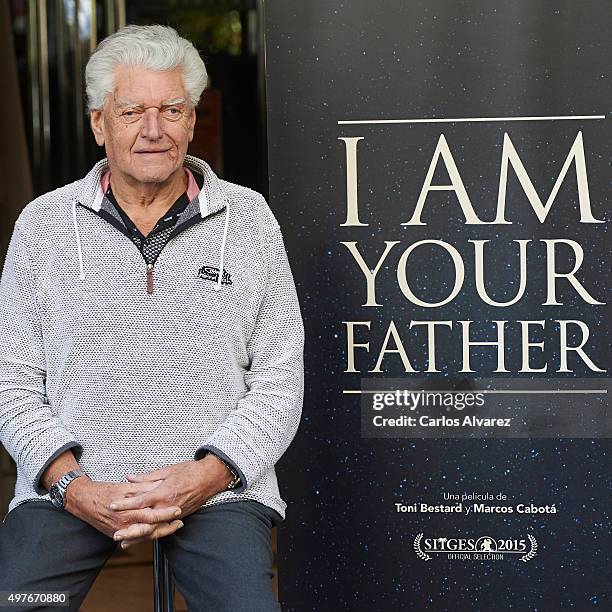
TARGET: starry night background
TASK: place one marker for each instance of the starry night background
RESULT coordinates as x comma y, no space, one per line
342,545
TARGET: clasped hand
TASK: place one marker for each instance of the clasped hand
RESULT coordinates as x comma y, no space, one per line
170,492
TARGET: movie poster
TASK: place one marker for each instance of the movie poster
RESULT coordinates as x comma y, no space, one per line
440,170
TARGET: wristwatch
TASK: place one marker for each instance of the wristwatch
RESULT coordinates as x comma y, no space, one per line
57,492
235,480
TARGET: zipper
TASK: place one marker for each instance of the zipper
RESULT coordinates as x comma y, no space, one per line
150,268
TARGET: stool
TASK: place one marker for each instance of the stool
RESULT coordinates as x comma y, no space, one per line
163,583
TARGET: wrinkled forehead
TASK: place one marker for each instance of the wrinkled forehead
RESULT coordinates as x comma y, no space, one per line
139,86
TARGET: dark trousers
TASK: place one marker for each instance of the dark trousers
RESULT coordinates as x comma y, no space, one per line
221,559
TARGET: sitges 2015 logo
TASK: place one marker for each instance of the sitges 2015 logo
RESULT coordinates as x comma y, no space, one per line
483,548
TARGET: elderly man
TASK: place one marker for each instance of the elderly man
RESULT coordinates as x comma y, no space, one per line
151,364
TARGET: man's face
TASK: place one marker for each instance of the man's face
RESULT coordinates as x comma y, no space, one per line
138,126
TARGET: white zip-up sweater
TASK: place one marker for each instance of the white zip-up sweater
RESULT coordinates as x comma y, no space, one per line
133,380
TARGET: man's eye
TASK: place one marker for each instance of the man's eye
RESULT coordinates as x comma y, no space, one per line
173,112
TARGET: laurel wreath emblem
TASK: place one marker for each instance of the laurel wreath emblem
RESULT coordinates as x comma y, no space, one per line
534,549
417,548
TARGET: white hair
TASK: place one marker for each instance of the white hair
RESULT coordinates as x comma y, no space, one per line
155,47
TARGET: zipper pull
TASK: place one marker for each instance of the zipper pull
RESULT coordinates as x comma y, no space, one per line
150,278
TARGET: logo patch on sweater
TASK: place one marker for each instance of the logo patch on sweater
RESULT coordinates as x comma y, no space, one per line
212,274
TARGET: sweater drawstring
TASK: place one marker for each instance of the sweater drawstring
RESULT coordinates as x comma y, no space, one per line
78,240
223,241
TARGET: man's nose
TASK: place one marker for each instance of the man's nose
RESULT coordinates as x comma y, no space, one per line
151,124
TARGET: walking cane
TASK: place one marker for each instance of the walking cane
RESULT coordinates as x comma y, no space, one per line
162,578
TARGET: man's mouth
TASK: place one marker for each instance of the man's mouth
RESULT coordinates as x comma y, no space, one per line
152,152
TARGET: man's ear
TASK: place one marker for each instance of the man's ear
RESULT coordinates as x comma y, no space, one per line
191,124
96,120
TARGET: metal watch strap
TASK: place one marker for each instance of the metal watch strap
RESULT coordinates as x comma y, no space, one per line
58,490
236,479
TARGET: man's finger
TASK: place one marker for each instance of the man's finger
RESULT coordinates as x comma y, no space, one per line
127,543
156,515
165,529
143,487
161,473
142,500
136,530
147,485
160,531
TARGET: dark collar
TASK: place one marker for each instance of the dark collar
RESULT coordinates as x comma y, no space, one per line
169,219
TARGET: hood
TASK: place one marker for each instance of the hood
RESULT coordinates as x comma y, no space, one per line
210,199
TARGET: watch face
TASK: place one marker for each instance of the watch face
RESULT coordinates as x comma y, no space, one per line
56,497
